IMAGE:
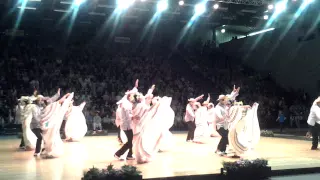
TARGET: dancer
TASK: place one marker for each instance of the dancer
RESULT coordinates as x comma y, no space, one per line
118,120
141,108
51,120
126,125
28,136
18,119
190,117
36,126
221,119
154,134
244,130
76,126
314,123
201,121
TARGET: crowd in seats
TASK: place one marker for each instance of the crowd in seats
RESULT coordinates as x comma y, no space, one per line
100,76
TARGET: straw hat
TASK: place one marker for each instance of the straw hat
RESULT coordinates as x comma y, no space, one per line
205,103
221,97
211,104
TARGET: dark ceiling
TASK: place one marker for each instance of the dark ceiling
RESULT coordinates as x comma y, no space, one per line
245,14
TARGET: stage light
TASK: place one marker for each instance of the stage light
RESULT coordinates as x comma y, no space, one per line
270,6
265,17
162,5
200,8
281,6
262,31
124,4
181,3
223,30
309,1
216,6
78,2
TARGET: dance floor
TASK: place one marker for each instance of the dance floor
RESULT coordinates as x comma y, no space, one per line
184,159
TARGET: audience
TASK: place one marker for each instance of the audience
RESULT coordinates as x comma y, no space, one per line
100,76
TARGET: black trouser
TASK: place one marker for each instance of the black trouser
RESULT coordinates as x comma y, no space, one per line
224,141
62,129
22,139
127,145
315,135
37,132
191,128
119,131
281,126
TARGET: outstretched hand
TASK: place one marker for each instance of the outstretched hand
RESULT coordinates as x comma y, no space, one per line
59,91
137,83
153,87
236,90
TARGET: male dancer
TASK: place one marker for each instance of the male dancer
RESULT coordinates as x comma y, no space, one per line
126,123
314,123
36,126
190,117
221,118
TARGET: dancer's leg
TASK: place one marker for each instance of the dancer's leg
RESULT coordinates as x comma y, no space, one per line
222,146
22,139
315,136
191,128
127,145
37,132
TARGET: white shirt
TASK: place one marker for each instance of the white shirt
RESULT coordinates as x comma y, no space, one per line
126,116
314,116
190,114
221,116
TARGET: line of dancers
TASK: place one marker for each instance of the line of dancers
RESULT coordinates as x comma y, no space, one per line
143,121
41,122
235,123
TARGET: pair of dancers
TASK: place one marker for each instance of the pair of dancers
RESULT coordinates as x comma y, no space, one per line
237,124
145,120
44,116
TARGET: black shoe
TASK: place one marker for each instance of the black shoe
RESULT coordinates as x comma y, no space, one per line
314,148
130,158
235,156
117,157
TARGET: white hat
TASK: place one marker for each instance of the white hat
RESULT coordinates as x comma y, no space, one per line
133,91
191,100
211,104
221,97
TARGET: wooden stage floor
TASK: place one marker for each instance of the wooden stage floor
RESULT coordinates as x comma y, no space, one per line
183,159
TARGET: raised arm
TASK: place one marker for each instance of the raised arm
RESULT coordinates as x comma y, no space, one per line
208,99
234,93
55,97
198,98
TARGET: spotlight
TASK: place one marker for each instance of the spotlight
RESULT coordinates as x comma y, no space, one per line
181,3
223,30
162,5
281,6
124,4
265,17
200,8
78,2
216,6
270,6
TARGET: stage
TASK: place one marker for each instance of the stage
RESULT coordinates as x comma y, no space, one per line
184,159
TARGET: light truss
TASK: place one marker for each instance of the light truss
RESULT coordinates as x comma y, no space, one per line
246,2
